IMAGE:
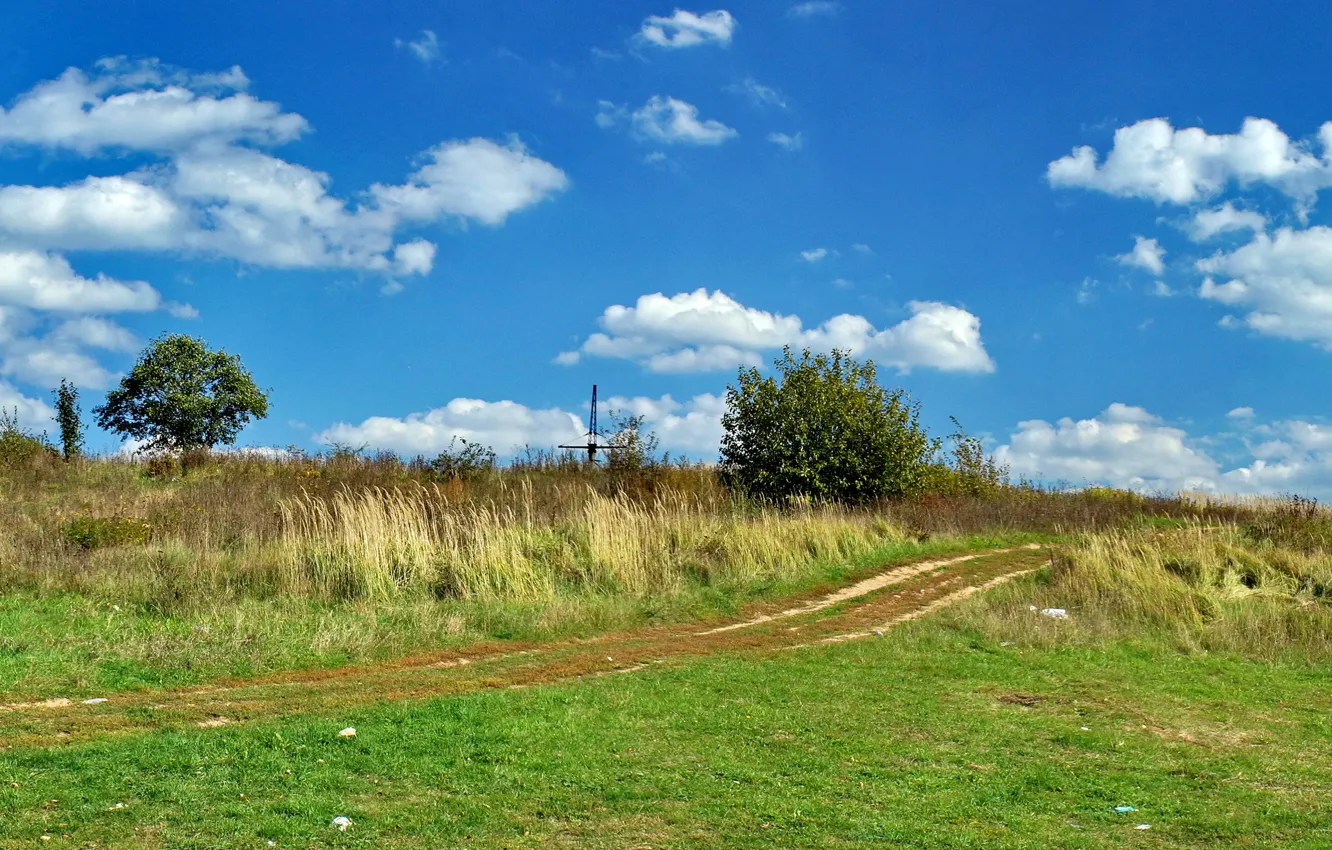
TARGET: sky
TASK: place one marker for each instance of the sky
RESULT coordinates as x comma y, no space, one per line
1095,235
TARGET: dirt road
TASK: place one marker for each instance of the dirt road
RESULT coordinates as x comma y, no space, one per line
863,609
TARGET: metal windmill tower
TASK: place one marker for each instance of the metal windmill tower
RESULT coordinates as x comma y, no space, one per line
592,446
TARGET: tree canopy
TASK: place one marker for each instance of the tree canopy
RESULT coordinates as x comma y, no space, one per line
182,395
822,427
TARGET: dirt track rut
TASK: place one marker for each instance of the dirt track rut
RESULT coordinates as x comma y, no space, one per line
863,609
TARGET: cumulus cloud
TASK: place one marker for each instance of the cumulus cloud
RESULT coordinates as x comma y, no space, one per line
1209,223
691,427
502,425
1146,254
1282,280
425,48
477,179
687,29
703,331
33,414
672,121
45,281
787,142
1153,160
214,192
1124,446
143,106
813,255
1128,447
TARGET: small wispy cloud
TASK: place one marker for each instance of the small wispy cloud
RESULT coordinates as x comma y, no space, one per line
813,8
686,29
758,94
813,255
425,48
790,143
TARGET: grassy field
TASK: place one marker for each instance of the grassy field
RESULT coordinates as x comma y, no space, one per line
936,735
1187,682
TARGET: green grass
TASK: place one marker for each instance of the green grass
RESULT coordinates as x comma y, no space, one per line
71,645
900,741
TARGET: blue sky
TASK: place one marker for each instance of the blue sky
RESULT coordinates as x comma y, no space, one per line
1092,234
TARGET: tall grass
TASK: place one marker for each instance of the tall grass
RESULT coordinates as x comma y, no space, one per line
383,544
1204,587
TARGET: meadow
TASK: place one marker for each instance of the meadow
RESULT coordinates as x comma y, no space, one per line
1188,680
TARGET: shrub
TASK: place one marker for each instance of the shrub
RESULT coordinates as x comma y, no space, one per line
823,429
465,461
92,532
19,447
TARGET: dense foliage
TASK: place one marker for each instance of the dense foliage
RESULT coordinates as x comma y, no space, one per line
823,428
181,395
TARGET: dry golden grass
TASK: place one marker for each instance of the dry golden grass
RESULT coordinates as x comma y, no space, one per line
379,543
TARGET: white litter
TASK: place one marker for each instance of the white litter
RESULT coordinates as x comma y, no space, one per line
341,823
349,732
1085,728
95,701
1143,826
1053,613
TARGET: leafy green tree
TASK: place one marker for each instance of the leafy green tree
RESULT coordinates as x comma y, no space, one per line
182,395
823,428
70,419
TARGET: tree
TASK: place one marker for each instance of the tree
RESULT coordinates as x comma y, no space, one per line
635,445
70,419
182,395
825,429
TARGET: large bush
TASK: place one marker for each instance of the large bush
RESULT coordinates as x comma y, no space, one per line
823,428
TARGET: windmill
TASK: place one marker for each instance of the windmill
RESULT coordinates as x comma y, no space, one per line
592,446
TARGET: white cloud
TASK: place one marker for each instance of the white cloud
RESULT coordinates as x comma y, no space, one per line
671,121
212,195
1209,223
790,143
692,426
1284,280
415,257
687,29
1128,447
702,331
143,106
502,425
476,179
1146,254
813,255
862,248
96,213
33,414
1124,447
45,362
425,48
47,282
1151,159
95,333
812,8
758,94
